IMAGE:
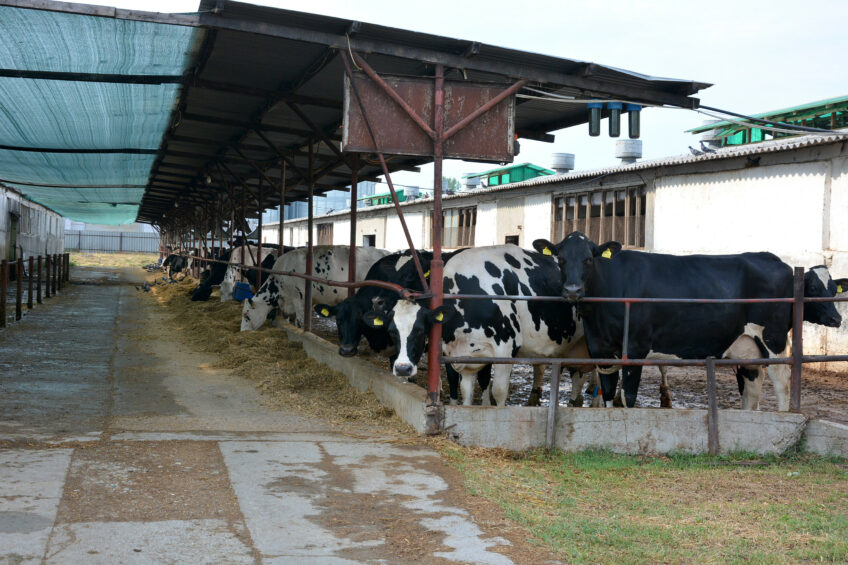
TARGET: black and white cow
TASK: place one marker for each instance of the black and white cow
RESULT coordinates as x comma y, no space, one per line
245,255
397,268
492,328
212,276
687,331
174,264
329,261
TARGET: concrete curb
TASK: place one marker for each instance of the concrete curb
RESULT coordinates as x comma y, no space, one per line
826,438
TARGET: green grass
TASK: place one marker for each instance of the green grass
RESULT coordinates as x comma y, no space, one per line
86,259
599,507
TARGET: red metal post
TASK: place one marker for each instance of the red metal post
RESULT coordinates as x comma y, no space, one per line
307,294
550,436
282,203
4,277
354,181
39,283
259,237
29,281
47,292
67,267
19,289
54,260
712,412
797,340
436,265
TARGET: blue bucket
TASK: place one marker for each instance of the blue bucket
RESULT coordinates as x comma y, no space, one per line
242,291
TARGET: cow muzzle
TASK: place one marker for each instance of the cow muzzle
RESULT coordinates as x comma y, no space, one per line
834,321
573,292
404,369
347,350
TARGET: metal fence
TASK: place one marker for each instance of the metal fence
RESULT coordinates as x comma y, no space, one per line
111,241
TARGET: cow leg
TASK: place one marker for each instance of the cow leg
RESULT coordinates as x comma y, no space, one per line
609,386
484,379
500,383
753,389
780,377
578,381
596,392
535,398
453,383
630,380
665,392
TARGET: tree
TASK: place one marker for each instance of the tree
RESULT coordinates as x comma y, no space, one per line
450,184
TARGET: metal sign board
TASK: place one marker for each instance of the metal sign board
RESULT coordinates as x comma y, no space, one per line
488,138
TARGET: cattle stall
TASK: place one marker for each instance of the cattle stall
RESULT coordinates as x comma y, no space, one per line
349,101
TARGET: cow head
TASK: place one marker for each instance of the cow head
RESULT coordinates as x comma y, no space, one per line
817,283
576,255
409,324
256,310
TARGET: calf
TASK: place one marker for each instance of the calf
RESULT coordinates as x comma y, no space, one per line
287,293
491,328
245,255
687,331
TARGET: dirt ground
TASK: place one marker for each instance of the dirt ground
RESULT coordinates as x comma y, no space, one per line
824,395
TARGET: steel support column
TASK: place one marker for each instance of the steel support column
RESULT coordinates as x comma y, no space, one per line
307,294
259,237
19,288
354,181
797,340
29,281
282,202
4,277
38,283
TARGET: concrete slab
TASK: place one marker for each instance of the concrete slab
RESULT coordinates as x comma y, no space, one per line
826,438
231,436
30,489
170,541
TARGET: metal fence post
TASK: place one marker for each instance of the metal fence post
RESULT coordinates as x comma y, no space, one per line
38,283
47,276
67,267
550,436
31,273
712,412
4,276
53,266
19,289
797,340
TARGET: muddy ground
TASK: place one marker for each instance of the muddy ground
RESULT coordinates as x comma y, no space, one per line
824,395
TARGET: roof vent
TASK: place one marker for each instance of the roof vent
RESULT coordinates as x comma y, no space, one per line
471,182
563,162
628,150
710,137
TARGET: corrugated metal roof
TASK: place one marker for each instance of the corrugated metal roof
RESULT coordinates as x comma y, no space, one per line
773,114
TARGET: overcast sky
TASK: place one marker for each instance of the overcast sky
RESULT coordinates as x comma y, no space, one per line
760,55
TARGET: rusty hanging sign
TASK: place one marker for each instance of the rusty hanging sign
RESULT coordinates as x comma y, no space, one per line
487,138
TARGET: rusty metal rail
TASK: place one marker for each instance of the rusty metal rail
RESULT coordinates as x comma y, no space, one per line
57,270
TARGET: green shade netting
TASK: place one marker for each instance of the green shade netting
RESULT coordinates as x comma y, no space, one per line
75,115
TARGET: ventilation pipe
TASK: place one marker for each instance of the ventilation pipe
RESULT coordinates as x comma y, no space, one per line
628,150
471,182
563,162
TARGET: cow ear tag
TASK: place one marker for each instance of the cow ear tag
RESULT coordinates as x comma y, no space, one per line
606,254
439,317
546,251
377,322
839,289
325,312
427,274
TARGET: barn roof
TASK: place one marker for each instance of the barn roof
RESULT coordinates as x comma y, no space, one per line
114,115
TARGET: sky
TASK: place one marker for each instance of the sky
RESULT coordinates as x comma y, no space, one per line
759,55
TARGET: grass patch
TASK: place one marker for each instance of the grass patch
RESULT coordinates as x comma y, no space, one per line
83,259
599,507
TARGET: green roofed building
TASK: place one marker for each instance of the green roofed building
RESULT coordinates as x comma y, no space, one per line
510,174
825,114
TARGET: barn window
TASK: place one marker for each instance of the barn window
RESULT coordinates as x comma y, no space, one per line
325,234
602,215
458,225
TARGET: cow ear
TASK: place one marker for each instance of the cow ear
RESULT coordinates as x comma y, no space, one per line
607,250
441,314
544,247
377,320
324,310
841,285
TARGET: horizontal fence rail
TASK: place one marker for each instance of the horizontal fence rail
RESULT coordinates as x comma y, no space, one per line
111,241
50,279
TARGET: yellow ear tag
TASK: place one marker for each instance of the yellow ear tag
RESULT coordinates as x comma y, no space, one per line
546,251
606,254
440,317
325,312
839,289
427,274
378,322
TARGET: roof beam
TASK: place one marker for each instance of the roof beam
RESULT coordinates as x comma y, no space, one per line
92,77
263,93
248,125
128,150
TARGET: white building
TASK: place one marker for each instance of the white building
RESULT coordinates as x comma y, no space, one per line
28,229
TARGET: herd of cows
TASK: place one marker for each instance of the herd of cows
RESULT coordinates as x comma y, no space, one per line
573,268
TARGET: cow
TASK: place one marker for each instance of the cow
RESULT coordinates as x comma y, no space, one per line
214,275
245,255
491,328
174,264
687,331
285,292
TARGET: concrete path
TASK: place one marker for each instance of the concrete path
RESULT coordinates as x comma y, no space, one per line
118,445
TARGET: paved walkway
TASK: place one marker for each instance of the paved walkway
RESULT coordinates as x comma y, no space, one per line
122,447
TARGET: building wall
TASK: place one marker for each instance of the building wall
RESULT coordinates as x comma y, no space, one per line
510,218
486,232
395,238
40,231
538,209
775,208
